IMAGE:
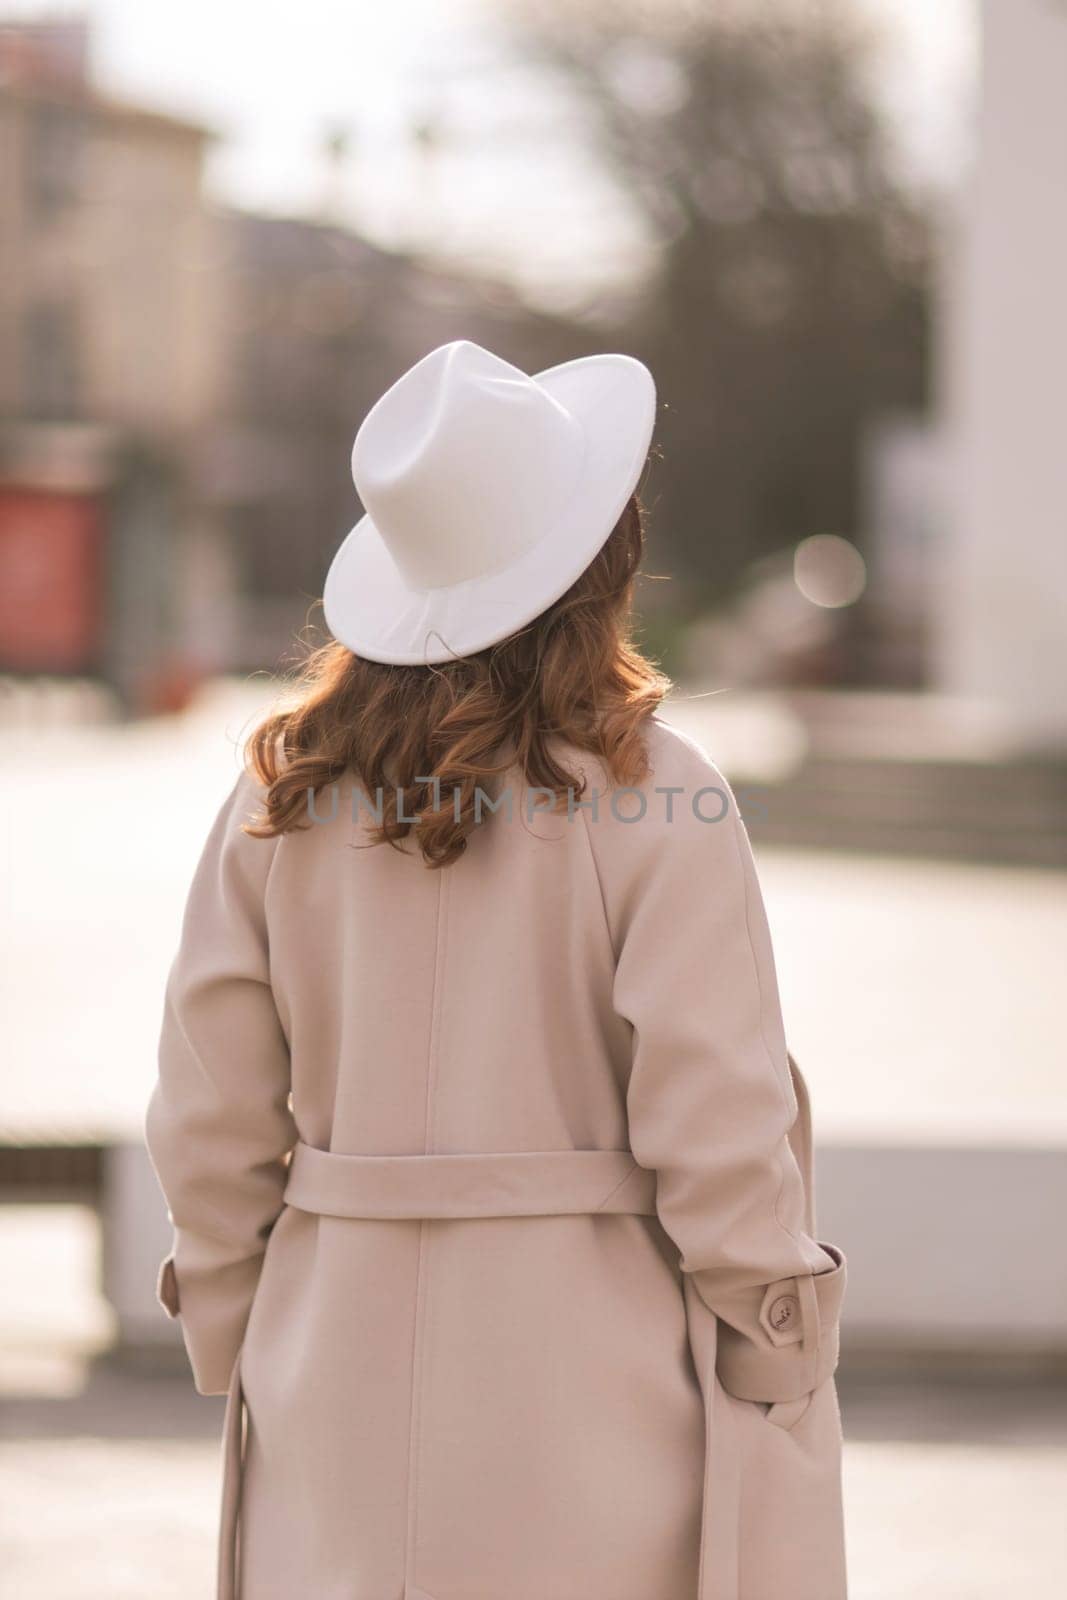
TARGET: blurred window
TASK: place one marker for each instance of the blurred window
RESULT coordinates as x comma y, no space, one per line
50,386
55,143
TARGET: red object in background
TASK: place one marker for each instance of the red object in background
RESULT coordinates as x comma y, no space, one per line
172,687
51,580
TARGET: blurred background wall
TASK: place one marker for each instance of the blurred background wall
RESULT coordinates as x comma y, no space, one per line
837,232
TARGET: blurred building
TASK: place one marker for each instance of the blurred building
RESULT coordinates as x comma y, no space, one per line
966,510
108,365
317,322
1003,638
180,386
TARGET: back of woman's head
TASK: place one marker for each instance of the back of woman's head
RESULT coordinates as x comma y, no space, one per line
421,741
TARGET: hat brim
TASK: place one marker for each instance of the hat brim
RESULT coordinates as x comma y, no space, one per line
372,610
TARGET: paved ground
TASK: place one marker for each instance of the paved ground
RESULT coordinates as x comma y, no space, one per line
111,1494
109,1478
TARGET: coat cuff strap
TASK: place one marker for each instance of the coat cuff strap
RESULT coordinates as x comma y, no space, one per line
794,1345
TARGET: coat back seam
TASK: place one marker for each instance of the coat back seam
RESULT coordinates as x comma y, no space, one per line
420,1313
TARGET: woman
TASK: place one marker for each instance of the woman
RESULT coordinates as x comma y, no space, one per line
487,1164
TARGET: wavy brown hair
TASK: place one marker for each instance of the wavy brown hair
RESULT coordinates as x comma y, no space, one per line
573,674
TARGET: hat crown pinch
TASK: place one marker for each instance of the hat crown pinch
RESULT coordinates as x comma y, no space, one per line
462,464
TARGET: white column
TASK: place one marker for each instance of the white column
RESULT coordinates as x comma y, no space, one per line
1003,627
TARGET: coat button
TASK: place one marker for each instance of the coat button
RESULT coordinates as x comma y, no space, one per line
783,1313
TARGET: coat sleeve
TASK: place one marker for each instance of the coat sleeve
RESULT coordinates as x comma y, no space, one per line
218,1125
710,1098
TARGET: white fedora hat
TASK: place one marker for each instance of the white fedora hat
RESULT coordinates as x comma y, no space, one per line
487,493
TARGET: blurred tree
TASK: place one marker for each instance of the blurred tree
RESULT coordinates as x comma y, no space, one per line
790,301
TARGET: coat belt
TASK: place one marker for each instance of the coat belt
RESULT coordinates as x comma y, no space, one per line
520,1183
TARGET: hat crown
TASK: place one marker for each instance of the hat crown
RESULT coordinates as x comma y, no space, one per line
462,464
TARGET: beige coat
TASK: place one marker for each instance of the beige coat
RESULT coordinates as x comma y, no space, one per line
520,1344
